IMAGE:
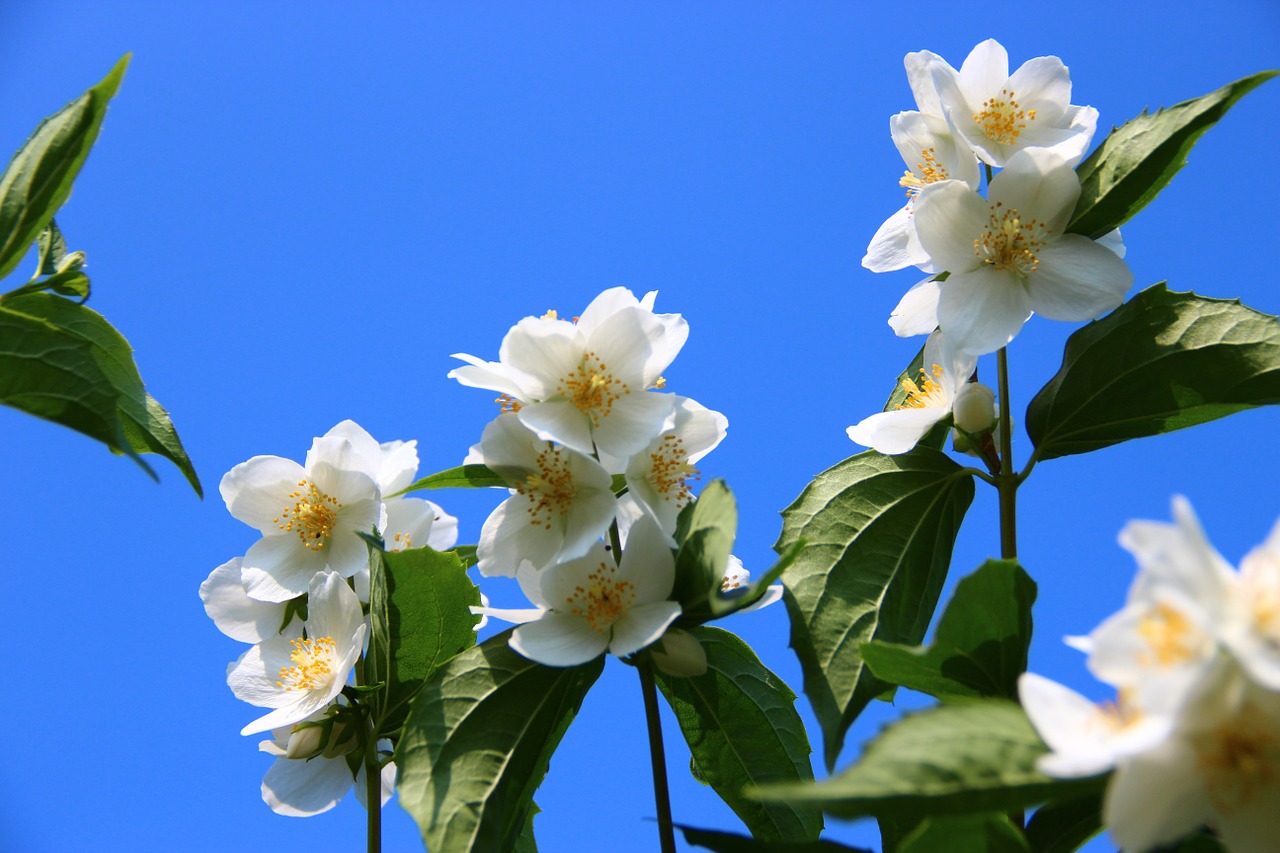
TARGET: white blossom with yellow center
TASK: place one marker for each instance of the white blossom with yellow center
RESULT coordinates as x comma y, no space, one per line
929,399
999,114
561,501
1009,255
298,672
308,515
661,476
592,605
586,384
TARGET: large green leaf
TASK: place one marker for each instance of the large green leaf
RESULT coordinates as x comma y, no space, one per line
728,842
477,743
742,727
953,759
1160,362
62,361
705,530
982,833
420,619
1063,826
880,530
980,646
461,477
1137,160
38,178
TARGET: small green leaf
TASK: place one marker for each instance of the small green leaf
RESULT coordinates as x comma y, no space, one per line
477,743
980,647
880,530
1063,826
1137,160
467,554
428,621
743,729
462,477
953,759
988,833
526,842
1162,361
38,179
63,362
705,530
52,247
727,842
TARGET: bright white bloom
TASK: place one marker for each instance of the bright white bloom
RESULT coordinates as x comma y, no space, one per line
659,476
1255,599
309,516
917,311
1085,739
392,464
999,114
586,384
1009,255
594,606
233,611
929,400
561,500
309,777
1221,764
737,580
296,675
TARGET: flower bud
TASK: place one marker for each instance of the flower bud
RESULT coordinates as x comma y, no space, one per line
305,740
679,654
974,408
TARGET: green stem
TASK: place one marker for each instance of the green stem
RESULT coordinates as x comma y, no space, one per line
373,790
1007,480
657,756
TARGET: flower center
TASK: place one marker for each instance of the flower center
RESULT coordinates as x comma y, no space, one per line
929,171
550,489
1237,759
312,517
1168,634
670,471
593,388
602,599
507,403
313,659
401,542
924,393
1002,120
1010,242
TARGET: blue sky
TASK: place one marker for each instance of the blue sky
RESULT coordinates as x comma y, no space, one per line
295,214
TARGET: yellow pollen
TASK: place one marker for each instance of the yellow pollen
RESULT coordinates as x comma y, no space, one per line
401,542
1010,242
924,393
732,581
1168,634
312,663
592,388
551,315
602,599
660,382
1237,759
507,404
312,517
1002,119
550,489
1119,715
928,171
670,471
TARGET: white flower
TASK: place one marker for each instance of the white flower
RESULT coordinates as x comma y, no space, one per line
594,606
737,581
659,476
310,777
999,114
917,311
929,400
1009,256
392,464
308,516
298,675
561,501
233,611
586,385
1255,635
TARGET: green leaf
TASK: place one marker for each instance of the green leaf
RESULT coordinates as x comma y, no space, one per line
727,842
1162,361
526,843
982,833
477,743
427,621
63,362
880,530
467,554
38,179
52,248
1137,160
1063,826
462,477
705,531
953,759
980,646
742,728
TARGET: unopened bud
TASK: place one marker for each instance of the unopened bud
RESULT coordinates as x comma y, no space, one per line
679,654
342,738
305,741
974,408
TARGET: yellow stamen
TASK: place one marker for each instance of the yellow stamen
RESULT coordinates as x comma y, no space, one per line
313,516
1010,243
1002,119
924,393
928,171
313,662
670,471
602,598
1237,759
550,490
593,388
1168,634
507,404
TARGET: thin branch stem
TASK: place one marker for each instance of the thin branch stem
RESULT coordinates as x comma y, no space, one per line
1007,480
657,755
979,473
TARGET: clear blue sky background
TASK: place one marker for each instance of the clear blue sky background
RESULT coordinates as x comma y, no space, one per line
297,211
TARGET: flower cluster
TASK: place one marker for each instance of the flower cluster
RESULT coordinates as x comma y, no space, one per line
1193,735
583,419
992,261
296,595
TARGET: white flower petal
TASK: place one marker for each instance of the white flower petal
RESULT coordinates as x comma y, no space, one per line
1155,798
1077,279
559,420
278,568
949,217
302,788
897,431
559,640
1044,85
233,611
257,490
917,311
642,625
895,245
647,562
982,310
1039,185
